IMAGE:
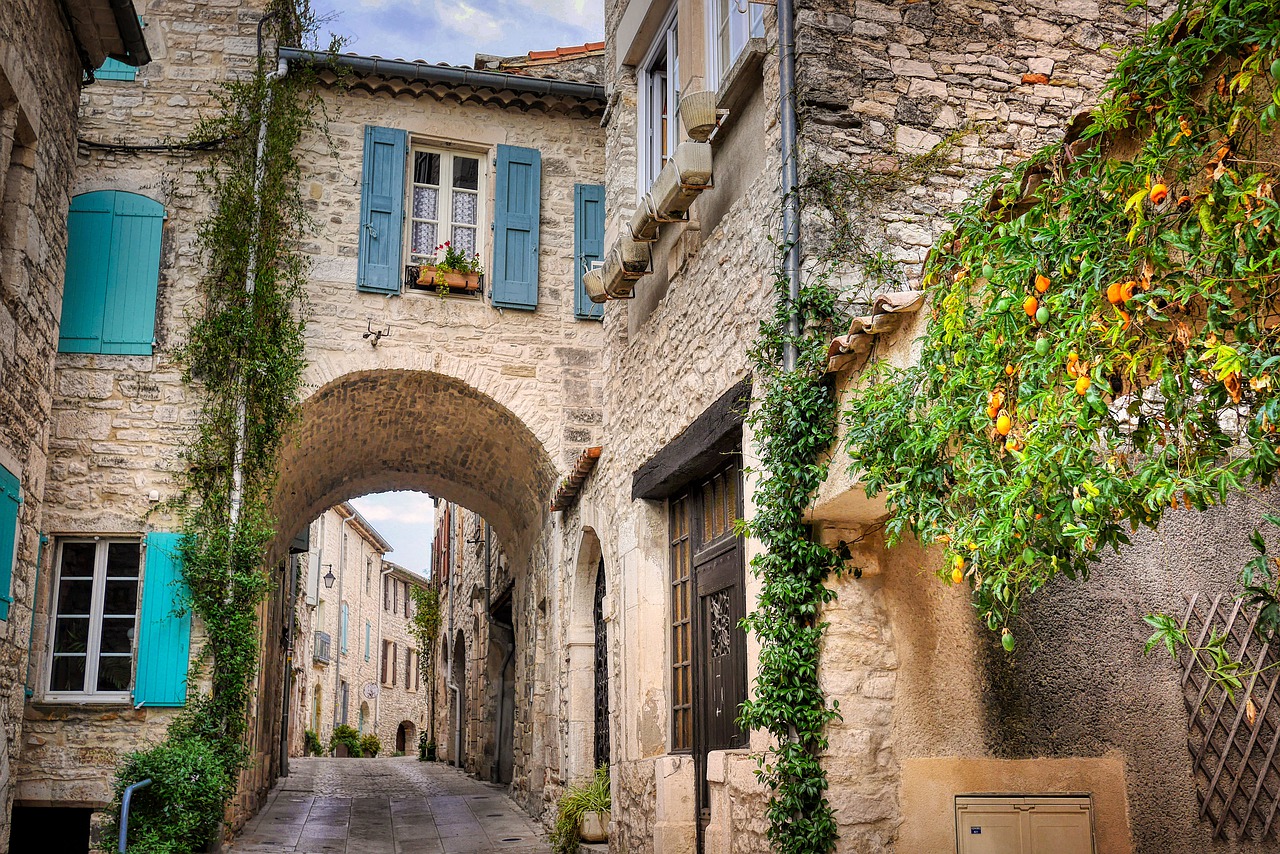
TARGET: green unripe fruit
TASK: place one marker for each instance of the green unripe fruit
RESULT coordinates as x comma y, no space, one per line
1042,315
1007,641
988,271
1077,506
1003,305
1042,346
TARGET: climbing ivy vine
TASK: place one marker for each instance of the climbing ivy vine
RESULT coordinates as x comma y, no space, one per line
1104,343
243,350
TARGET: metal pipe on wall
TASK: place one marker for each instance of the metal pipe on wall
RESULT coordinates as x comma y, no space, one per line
790,173
337,653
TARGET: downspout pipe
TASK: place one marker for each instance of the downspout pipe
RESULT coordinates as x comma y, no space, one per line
335,643
790,175
286,701
251,281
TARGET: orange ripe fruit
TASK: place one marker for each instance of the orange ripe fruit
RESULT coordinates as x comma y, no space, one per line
957,575
1126,290
1029,305
1042,283
1113,293
1159,193
1124,320
1008,370
1082,385
1003,425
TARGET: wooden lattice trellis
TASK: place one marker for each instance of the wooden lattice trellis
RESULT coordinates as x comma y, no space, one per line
1233,741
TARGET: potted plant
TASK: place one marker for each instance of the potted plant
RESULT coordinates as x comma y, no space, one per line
311,744
345,741
370,746
453,270
582,814
426,748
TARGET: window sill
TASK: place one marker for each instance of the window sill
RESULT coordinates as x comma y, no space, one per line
741,81
51,708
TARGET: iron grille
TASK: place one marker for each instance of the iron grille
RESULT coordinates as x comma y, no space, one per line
1233,739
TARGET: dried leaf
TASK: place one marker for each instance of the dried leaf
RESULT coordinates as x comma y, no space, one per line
1251,712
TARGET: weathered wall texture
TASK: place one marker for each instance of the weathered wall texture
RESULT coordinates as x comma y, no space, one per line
40,73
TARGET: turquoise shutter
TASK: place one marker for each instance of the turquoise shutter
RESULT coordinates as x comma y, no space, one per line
113,273
342,634
588,245
382,210
164,636
518,206
10,501
114,69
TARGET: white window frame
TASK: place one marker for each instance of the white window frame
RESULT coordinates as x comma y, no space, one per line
444,200
96,604
650,115
745,22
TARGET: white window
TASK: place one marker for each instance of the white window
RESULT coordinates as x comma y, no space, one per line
730,24
445,203
95,613
659,95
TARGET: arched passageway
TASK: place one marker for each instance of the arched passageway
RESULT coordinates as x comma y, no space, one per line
385,430
406,740
458,702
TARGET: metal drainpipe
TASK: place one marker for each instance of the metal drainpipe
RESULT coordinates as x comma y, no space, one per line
30,690
336,648
251,277
790,173
377,701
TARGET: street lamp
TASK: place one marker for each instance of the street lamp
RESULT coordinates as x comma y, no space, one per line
329,576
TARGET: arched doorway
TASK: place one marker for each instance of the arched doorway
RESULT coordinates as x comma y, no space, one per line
458,702
405,737
364,716
589,742
601,668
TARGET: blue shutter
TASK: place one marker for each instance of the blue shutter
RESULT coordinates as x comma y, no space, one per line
342,634
113,273
10,500
382,210
164,637
517,208
114,69
588,245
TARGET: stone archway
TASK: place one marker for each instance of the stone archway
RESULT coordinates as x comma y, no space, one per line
582,654
405,738
385,430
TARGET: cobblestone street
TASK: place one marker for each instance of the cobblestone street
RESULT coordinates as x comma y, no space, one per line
386,806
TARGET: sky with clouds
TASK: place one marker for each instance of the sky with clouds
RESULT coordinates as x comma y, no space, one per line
454,31
407,520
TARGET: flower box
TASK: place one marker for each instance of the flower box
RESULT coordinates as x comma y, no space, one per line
428,277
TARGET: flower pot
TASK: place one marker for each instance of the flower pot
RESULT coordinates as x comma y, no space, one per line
698,114
594,826
431,753
431,276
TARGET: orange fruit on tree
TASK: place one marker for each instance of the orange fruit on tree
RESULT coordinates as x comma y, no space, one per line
957,575
1003,425
1042,283
1159,192
1082,385
1126,290
1029,305
1113,293
1008,370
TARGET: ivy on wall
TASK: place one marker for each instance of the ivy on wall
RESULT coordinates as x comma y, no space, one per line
1104,343
242,350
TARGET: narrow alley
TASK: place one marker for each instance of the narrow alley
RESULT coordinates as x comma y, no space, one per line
395,805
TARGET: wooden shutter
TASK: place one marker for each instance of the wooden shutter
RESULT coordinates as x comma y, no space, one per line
395,661
517,208
386,647
164,635
112,274
588,245
382,210
10,501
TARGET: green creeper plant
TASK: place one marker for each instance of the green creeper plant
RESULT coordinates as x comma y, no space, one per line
1104,341
240,349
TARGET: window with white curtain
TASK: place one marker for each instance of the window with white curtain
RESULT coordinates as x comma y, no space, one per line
730,25
658,98
445,203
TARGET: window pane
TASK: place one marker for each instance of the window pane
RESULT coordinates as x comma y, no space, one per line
464,239
426,168
113,672
121,598
74,596
71,635
122,560
117,635
68,673
425,202
425,240
77,560
466,173
464,208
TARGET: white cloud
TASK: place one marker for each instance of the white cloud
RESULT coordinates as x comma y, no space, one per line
469,21
405,508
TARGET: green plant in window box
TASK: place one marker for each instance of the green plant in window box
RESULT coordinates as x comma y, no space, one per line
453,269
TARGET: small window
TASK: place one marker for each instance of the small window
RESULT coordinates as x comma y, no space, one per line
659,96
731,24
94,619
446,204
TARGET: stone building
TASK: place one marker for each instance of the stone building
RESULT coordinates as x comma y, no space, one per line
359,660
48,53
482,395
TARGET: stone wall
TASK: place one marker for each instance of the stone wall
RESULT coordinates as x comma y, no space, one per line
40,74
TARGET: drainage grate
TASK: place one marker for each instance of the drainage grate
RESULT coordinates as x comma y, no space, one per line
513,839
1233,740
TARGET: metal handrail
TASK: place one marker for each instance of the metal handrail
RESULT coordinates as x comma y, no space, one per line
124,811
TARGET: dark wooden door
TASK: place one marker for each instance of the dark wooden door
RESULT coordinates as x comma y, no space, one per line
601,673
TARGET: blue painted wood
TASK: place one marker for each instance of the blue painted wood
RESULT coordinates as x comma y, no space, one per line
112,274
342,633
114,69
382,210
164,630
588,245
518,206
10,501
